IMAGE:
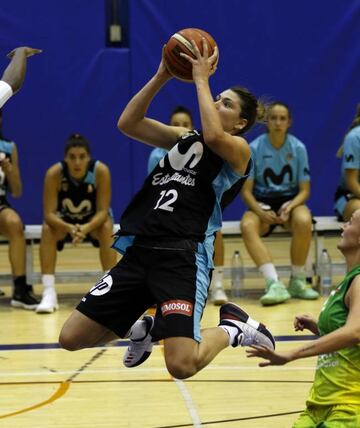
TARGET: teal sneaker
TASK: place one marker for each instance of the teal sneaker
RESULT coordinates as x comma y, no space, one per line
276,292
301,290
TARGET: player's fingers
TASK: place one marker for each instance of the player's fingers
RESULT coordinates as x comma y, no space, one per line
214,57
33,51
196,49
186,56
205,48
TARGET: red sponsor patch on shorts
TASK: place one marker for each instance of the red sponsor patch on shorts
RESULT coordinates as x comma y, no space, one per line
181,307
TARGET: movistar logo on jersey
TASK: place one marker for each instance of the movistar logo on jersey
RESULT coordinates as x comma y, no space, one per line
349,158
76,211
179,160
269,175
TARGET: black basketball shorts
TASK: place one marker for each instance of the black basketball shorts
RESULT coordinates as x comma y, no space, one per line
175,279
273,204
4,203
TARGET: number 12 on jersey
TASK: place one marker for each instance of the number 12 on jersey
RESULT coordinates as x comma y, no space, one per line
166,199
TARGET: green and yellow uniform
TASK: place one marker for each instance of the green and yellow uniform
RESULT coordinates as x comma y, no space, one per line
334,399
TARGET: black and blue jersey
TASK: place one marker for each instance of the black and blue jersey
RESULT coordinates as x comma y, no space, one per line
77,199
181,197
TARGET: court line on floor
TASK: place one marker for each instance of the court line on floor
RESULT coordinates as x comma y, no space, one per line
48,382
189,403
155,369
63,387
121,343
61,391
224,421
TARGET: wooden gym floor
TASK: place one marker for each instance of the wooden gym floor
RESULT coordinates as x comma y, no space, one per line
44,386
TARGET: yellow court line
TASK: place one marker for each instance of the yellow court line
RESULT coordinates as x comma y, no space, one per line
64,386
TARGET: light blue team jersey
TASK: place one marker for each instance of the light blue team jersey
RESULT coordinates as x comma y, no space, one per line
278,172
351,157
6,147
155,157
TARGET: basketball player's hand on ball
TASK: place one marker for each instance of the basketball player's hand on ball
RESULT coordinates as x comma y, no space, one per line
203,65
28,51
162,70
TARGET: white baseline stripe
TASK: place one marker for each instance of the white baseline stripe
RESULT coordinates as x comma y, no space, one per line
189,403
47,373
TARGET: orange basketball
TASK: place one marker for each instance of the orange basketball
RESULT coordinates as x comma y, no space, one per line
178,66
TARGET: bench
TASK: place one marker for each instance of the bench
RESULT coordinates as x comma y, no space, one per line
32,236
323,226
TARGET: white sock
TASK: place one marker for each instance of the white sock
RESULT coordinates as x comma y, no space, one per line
48,281
231,331
297,270
217,278
268,271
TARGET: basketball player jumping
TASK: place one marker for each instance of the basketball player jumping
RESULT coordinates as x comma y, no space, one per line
167,234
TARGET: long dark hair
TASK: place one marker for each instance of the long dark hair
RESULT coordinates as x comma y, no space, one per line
252,109
77,140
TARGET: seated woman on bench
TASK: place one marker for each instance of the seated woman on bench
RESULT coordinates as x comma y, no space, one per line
77,194
275,193
10,182
347,197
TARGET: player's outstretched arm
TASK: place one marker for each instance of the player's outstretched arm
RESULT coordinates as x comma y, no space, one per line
14,73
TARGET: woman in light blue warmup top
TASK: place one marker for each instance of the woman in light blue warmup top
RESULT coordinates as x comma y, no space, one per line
275,193
347,196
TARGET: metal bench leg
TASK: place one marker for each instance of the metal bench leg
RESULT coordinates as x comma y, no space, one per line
29,261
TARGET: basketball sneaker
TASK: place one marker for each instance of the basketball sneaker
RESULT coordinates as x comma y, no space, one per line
23,297
276,292
141,344
250,332
300,289
49,303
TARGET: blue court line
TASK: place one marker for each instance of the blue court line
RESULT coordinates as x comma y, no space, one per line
27,346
